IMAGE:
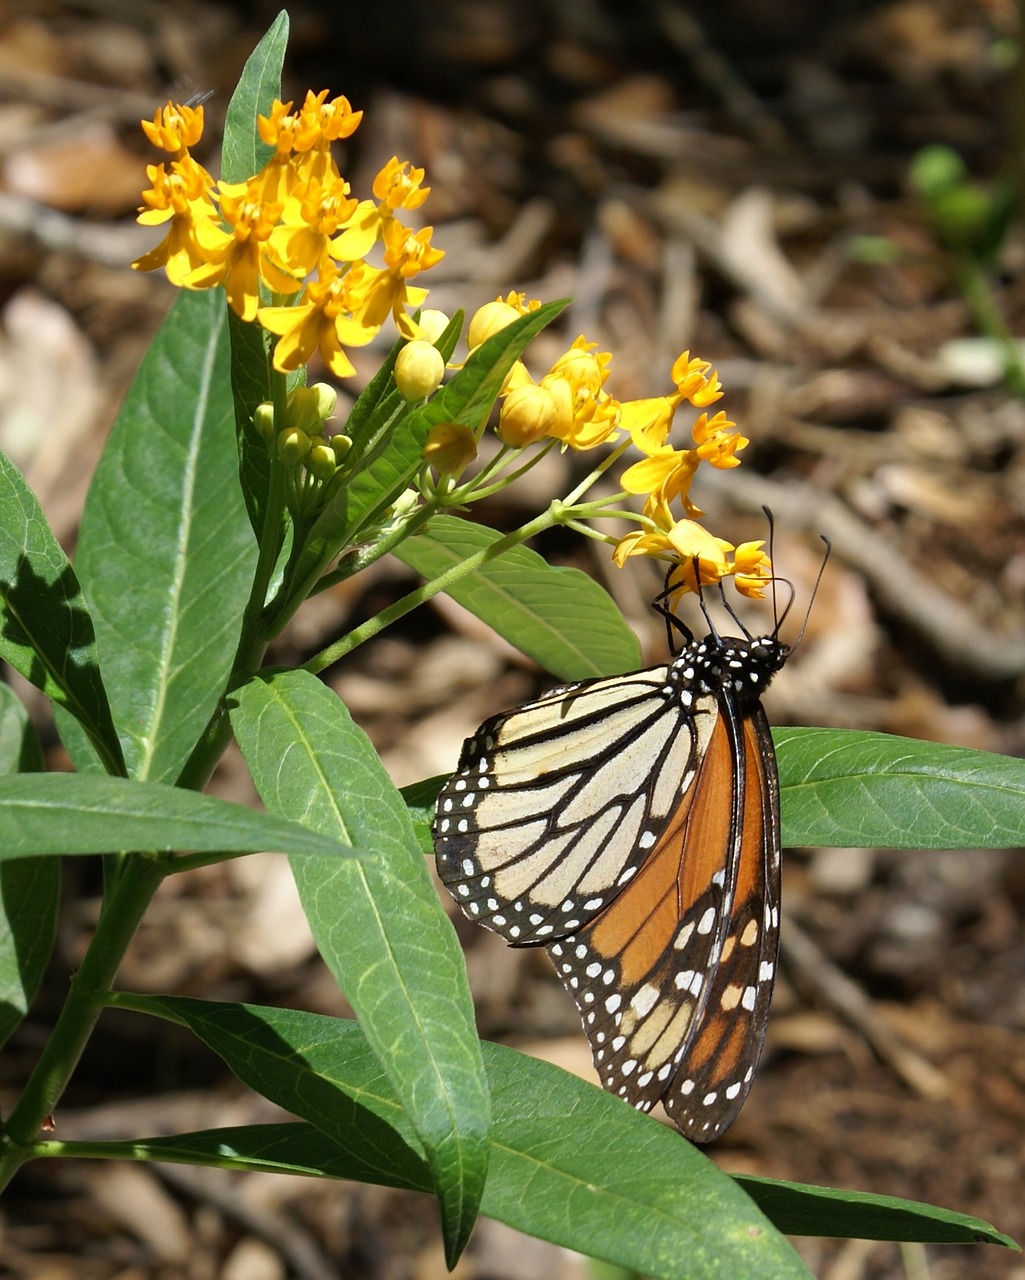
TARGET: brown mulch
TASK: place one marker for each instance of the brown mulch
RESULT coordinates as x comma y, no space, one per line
729,178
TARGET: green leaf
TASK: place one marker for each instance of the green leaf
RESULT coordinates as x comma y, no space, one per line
420,798
53,813
377,1153
558,616
46,633
165,553
250,386
243,154
850,788
29,888
301,1150
379,925
802,1210
569,1162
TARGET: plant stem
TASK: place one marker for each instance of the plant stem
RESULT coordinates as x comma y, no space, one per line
117,924
420,595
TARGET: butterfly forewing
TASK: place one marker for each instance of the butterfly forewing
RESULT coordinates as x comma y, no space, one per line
557,804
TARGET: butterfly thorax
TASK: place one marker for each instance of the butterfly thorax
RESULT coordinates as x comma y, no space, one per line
734,667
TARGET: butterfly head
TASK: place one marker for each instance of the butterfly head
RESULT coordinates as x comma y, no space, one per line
740,666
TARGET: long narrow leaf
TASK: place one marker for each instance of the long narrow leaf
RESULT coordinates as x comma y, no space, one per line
569,1162
165,554
243,152
558,616
46,631
850,788
379,925
803,1210
55,813
302,1150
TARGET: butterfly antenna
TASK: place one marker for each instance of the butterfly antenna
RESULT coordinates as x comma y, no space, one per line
712,631
673,623
814,591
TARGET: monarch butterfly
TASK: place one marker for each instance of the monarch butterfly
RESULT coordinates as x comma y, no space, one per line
631,826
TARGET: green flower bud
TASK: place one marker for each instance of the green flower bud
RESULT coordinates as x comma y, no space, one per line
293,446
341,445
304,410
263,420
327,399
321,462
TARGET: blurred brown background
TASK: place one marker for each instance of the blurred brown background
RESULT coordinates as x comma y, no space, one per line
729,177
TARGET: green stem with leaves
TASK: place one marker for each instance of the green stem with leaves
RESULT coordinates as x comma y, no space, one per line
373,626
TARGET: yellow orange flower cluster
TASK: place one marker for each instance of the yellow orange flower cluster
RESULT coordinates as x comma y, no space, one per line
569,404
293,228
289,246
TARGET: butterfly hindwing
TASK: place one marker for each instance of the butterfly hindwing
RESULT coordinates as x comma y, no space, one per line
706,1094
642,971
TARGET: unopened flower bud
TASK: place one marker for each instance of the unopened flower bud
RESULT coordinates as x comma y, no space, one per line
309,407
293,446
341,445
405,504
263,419
490,319
321,461
432,324
419,369
450,448
528,413
327,399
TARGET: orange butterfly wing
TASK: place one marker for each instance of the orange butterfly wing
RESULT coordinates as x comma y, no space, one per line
662,977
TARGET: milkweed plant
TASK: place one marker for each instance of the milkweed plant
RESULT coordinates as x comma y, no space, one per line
231,490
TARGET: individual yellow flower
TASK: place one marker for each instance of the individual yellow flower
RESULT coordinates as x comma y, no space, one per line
717,442
384,292
322,122
585,416
319,124
752,569
175,127
683,541
396,186
181,195
241,257
648,421
322,321
693,383
312,213
655,471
